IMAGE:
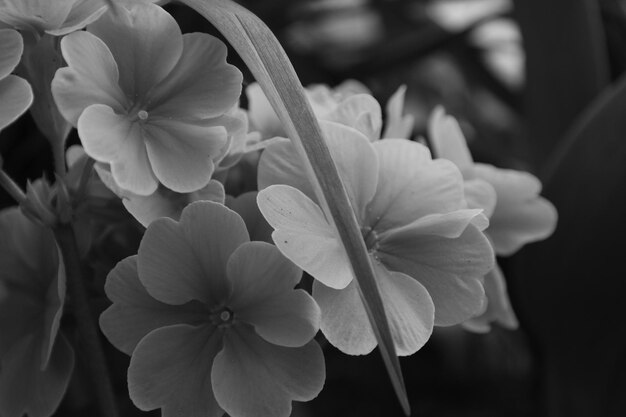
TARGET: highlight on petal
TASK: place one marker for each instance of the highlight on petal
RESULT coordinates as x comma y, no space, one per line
135,313
451,269
480,195
16,96
448,140
521,216
261,114
304,236
91,77
254,378
170,369
145,41
398,125
263,295
83,12
498,308
201,85
111,138
412,185
11,48
408,305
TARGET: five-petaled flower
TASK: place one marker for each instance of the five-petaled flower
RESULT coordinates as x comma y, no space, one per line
36,360
15,93
427,249
517,214
147,100
212,320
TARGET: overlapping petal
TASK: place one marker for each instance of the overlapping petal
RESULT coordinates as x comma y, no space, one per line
245,205
521,216
91,78
361,112
35,15
82,13
448,141
303,235
201,84
408,305
171,368
111,138
145,41
451,269
135,313
412,185
263,295
397,124
254,378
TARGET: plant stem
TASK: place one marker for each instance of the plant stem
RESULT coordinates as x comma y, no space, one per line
11,187
87,325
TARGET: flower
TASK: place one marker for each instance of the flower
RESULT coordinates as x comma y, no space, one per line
15,93
57,17
212,321
147,100
427,250
517,213
36,361
350,103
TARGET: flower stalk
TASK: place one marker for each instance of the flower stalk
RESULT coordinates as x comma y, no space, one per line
87,324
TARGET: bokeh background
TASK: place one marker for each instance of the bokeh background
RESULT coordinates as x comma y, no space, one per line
536,85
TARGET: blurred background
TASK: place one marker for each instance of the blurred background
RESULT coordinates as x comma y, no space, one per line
536,85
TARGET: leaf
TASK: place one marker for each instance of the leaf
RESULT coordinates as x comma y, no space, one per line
566,65
264,56
568,290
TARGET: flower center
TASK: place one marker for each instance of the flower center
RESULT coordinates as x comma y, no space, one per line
142,114
371,238
223,317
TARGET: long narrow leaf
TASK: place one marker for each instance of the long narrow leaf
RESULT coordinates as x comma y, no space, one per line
263,54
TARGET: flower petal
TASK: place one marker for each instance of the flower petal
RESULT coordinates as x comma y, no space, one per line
451,269
261,114
245,205
201,84
11,48
253,378
180,262
135,313
27,389
35,15
111,138
83,12
280,163
398,125
91,77
263,295
361,112
480,195
166,203
170,368
521,216
412,185
181,152
145,41
448,141
408,305
498,307
16,96
304,236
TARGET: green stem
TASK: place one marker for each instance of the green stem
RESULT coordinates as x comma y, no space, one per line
87,324
11,187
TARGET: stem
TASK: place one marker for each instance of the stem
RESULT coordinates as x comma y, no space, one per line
87,325
11,187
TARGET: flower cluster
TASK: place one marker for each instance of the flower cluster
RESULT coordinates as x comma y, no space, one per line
212,320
